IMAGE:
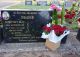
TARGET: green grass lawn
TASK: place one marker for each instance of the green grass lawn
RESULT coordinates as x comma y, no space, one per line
20,6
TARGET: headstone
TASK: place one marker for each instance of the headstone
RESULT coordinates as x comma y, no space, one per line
68,4
42,3
23,26
28,2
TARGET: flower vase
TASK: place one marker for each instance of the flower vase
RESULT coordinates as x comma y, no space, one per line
51,45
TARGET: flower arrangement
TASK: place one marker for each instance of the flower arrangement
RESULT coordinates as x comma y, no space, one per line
70,14
55,31
58,29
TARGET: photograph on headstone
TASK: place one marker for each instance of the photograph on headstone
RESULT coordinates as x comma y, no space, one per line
5,15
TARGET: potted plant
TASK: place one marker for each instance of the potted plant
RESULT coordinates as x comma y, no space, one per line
55,31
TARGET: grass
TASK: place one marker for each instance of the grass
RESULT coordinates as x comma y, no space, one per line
32,7
74,25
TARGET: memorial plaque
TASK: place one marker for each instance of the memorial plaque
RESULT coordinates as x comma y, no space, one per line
24,26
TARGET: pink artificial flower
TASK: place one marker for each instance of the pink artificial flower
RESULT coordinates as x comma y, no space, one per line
55,7
46,29
59,8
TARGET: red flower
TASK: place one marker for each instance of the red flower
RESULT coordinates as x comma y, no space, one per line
79,19
58,29
73,14
46,29
69,16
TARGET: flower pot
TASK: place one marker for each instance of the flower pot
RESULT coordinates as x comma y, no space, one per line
51,45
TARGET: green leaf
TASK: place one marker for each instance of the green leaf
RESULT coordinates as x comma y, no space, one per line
55,17
62,14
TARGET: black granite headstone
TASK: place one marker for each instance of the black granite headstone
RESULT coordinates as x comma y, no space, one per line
24,26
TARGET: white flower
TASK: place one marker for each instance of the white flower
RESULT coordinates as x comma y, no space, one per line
48,25
61,25
50,9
